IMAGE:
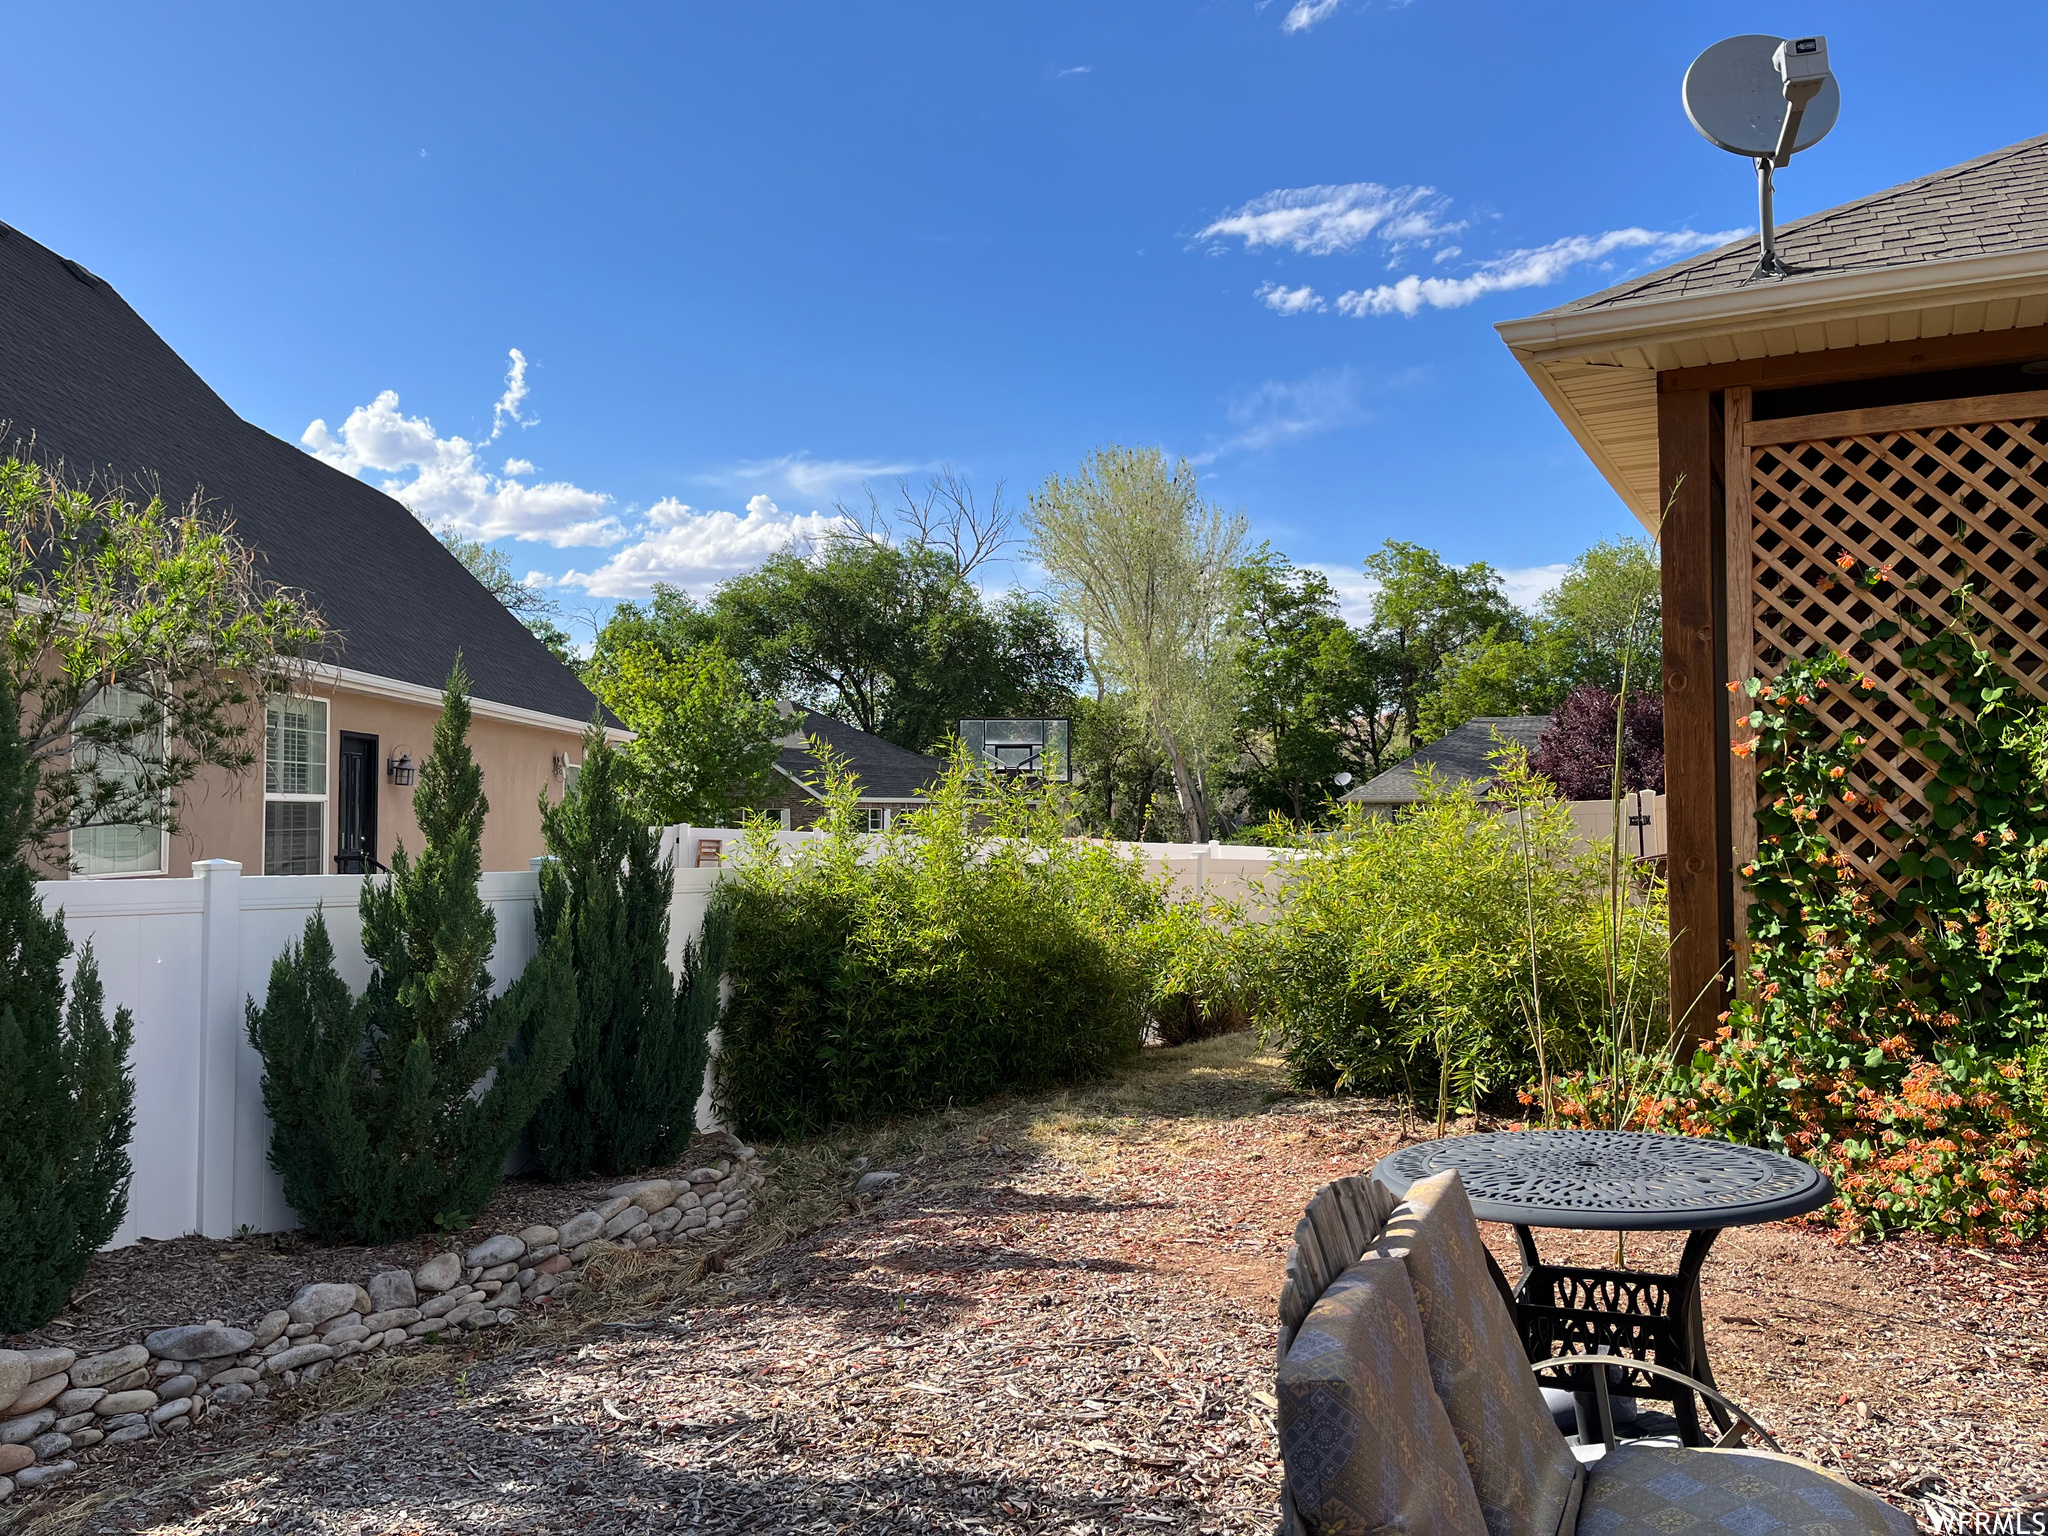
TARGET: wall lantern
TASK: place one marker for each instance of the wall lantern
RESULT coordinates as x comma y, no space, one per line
400,769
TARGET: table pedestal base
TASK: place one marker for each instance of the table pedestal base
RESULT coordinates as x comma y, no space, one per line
1563,1309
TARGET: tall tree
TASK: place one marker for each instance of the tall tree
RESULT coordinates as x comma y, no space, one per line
1142,566
1312,693
704,746
527,603
892,639
1606,606
66,1099
1611,602
1425,611
1122,776
629,1097
134,640
392,1114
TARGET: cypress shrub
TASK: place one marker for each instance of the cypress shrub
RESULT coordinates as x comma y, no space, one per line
392,1113
629,1097
67,1104
970,950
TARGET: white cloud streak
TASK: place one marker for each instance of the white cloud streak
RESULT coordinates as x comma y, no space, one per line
1279,412
507,408
444,482
819,477
1321,221
1525,587
1289,301
695,550
1534,268
1304,14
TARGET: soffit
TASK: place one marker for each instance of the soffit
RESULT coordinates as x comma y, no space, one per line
1598,368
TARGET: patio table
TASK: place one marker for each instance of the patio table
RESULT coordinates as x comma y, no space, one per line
1616,1181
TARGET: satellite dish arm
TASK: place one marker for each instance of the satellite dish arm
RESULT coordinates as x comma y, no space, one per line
1797,94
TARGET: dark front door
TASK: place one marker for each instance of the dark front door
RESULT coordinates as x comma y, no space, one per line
355,798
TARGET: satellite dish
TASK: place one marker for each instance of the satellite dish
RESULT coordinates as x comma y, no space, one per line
1764,98
1736,97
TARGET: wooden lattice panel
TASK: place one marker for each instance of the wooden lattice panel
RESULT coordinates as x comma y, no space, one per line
1963,503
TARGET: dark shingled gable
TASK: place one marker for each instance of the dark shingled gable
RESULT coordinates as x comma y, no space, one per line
885,770
1984,207
1457,757
86,380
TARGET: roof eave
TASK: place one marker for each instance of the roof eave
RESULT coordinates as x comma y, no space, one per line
1543,342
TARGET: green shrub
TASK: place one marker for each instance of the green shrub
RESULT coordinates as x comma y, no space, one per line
381,1125
67,1104
1193,953
1398,960
968,951
629,1097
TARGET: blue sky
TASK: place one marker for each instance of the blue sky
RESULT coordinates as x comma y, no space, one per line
751,256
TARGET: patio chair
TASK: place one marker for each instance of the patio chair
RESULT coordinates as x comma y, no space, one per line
1407,1405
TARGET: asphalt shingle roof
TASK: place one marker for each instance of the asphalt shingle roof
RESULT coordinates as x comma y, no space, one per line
1457,757
1984,207
85,380
885,770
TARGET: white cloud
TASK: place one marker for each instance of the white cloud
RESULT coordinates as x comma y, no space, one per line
507,408
1289,301
1320,221
517,467
1078,69
695,550
1535,268
1354,590
1525,587
442,481
1304,14
1530,584
1277,413
819,477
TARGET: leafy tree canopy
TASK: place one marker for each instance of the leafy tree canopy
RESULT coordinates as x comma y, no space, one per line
140,642
1313,693
1425,612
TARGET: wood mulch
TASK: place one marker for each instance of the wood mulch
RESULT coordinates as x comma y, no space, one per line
1061,1321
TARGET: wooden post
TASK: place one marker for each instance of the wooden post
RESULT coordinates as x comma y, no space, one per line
1690,455
1739,515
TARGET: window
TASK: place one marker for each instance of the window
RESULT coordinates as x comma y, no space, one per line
878,818
294,787
117,850
571,772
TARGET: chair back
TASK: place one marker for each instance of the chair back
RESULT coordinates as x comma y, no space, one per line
1343,1220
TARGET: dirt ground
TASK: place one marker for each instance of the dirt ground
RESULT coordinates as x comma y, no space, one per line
1061,1321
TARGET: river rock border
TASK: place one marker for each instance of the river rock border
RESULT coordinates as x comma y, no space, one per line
58,1403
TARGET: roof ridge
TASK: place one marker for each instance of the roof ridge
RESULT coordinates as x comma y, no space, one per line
1621,292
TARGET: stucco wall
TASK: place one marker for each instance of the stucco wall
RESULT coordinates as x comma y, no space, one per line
223,814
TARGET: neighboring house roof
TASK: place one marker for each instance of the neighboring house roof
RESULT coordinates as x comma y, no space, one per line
885,771
85,379
1983,207
1455,758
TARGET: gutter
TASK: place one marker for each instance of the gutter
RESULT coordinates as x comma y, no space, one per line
347,680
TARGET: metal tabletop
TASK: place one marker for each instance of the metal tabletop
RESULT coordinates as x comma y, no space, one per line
1613,1181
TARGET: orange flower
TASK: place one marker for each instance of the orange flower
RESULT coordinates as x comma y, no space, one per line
1836,773
1845,560
1742,748
1866,682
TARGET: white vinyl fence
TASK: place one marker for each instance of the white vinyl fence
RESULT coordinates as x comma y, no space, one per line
185,956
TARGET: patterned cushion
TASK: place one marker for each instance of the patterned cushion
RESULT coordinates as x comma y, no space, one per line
1525,1475
1365,1442
1659,1490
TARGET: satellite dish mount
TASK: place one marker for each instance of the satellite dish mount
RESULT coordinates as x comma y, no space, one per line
1764,98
